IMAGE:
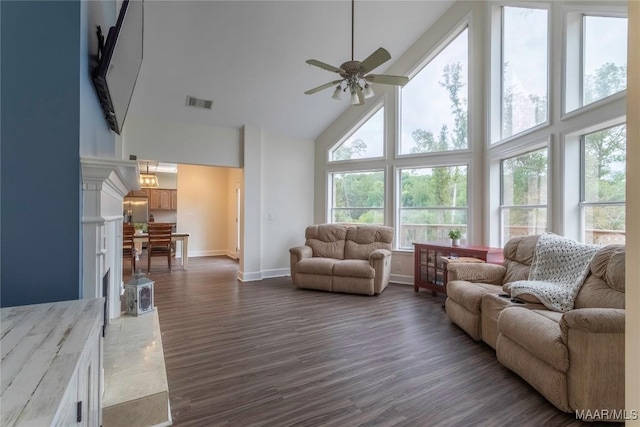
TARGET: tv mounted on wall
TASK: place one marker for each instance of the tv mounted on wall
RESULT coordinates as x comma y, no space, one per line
120,60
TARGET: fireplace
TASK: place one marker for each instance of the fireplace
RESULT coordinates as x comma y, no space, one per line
105,182
105,293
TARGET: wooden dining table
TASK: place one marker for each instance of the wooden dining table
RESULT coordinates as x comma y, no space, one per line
139,239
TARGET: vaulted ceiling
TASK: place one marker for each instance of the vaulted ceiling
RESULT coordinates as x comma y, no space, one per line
249,57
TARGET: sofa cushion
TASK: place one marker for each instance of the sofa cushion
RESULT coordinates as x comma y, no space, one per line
326,240
518,256
604,287
353,268
469,295
316,266
537,331
364,239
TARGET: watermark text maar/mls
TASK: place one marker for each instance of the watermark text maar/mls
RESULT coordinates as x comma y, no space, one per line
607,414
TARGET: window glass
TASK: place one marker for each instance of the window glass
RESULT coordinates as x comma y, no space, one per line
358,197
524,69
366,142
434,102
432,201
605,57
604,184
524,195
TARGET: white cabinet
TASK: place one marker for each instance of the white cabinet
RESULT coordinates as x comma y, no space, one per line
52,364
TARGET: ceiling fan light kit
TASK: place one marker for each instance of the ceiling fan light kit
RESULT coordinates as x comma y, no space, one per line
354,74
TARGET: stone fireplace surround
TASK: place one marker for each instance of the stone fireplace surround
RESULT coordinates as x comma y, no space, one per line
105,183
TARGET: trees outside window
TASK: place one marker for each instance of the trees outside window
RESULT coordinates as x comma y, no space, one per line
604,68
366,142
425,125
603,185
358,197
524,69
432,201
524,195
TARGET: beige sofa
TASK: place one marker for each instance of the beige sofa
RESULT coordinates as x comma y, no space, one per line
339,258
574,359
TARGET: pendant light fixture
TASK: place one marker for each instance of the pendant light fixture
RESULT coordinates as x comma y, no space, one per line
148,180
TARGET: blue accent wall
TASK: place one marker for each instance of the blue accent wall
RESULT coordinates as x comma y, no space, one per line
40,160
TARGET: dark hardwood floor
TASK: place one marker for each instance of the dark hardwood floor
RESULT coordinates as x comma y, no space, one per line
265,354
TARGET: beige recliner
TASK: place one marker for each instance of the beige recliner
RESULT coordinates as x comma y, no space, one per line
339,258
575,359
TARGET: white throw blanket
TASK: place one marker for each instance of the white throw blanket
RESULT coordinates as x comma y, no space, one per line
559,267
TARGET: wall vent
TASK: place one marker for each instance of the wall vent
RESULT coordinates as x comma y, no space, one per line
192,101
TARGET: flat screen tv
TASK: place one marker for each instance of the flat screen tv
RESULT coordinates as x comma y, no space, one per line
120,60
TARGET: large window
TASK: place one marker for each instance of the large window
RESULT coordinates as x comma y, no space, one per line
434,102
366,142
432,201
524,195
596,61
524,101
358,197
603,186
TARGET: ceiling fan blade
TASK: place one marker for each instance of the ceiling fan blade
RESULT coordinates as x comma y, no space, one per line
386,79
324,66
374,60
322,87
360,95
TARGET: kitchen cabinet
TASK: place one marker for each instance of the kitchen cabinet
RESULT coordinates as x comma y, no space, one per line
174,199
163,199
53,364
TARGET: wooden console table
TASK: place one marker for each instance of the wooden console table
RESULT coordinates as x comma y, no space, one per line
430,269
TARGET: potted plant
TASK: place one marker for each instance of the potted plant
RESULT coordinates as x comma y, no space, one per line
455,234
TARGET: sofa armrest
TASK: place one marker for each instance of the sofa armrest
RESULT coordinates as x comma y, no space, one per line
296,255
474,272
380,260
594,320
301,252
379,254
595,342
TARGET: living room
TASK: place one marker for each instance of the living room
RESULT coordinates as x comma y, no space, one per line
279,202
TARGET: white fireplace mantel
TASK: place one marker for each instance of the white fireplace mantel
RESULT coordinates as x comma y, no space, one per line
105,183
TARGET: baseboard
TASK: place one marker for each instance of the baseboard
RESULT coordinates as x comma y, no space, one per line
217,252
263,274
249,277
276,272
403,279
231,254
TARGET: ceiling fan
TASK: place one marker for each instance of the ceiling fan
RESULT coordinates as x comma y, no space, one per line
354,73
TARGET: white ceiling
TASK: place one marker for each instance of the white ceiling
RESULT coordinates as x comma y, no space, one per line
249,57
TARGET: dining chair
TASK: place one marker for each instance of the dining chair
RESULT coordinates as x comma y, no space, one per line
159,242
128,246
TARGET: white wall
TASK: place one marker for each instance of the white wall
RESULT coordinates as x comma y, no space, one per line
166,180
202,202
287,199
179,142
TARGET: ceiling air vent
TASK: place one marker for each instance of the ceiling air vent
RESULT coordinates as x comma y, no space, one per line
192,101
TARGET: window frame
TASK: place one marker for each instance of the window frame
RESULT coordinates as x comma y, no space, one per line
496,81
526,149
375,108
439,47
398,199
582,204
572,102
330,185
